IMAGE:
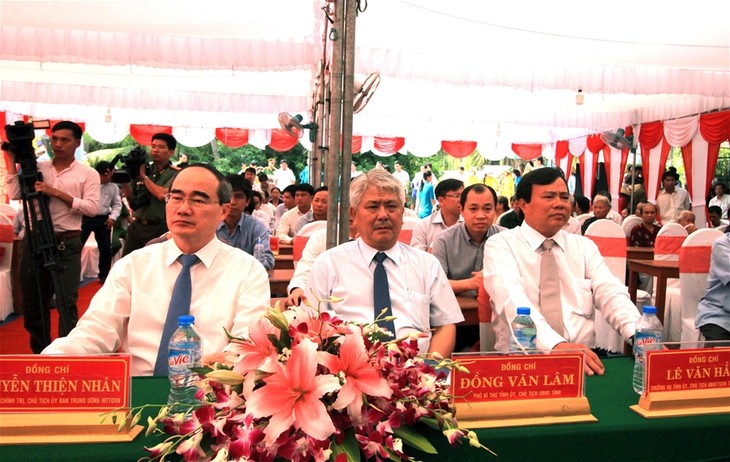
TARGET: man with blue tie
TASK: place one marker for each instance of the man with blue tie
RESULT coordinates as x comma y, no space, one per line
376,273
132,312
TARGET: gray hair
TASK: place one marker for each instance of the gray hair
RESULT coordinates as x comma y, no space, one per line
604,199
376,178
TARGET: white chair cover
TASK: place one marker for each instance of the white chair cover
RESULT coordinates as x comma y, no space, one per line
406,231
300,240
90,258
9,211
629,223
582,218
666,248
611,242
6,286
694,267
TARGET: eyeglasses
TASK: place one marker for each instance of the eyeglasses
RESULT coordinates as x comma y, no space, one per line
453,195
193,201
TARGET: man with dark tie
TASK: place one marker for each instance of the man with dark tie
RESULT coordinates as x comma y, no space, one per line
194,273
560,276
376,271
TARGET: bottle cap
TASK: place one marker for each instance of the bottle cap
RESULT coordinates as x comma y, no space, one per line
649,309
185,320
523,310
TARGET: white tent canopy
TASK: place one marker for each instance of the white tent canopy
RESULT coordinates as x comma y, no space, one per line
458,70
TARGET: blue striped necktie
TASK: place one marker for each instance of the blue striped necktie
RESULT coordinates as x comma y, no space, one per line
179,306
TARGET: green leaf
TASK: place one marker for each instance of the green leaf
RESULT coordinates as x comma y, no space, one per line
348,447
414,439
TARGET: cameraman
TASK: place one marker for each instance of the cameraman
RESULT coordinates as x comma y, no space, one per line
72,190
146,194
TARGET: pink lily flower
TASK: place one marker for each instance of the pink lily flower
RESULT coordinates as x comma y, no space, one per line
360,376
292,395
258,353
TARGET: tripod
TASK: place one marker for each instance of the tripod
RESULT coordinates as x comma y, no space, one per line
44,249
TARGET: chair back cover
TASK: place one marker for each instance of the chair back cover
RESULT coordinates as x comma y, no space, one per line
300,240
6,257
629,223
611,242
694,267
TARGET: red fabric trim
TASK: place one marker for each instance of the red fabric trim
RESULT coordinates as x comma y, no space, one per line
3,123
356,144
459,149
668,245
610,246
388,145
405,236
6,233
298,247
281,141
142,134
695,259
715,127
527,151
232,137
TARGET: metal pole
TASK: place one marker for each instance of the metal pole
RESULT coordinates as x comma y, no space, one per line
332,169
347,108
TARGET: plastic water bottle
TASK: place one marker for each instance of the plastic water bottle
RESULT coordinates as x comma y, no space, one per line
648,330
184,353
524,332
259,253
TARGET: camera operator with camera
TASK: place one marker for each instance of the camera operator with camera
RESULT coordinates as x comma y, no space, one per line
146,194
72,190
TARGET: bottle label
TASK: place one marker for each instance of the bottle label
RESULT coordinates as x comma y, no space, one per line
181,360
643,340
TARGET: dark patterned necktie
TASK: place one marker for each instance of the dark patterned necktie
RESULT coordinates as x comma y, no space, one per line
381,293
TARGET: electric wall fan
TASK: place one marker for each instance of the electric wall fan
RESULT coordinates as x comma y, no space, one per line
293,126
364,91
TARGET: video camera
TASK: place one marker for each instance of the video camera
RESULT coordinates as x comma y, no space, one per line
20,142
131,162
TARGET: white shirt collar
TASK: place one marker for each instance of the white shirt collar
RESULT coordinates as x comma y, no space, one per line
535,238
206,254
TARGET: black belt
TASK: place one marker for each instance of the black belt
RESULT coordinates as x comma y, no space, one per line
146,222
68,234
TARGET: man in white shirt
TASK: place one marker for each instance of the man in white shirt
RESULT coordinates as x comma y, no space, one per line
303,200
401,175
421,299
448,194
512,267
671,200
283,177
721,199
128,313
110,207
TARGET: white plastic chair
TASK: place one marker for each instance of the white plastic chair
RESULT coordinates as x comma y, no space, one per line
90,258
666,248
611,242
629,223
694,267
582,218
6,287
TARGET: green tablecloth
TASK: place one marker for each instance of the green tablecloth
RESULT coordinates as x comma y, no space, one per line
619,434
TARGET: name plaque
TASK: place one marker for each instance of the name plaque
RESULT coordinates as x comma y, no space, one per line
672,370
686,382
60,399
41,383
502,391
500,378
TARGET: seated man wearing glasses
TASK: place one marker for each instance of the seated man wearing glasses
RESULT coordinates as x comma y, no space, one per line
448,193
129,312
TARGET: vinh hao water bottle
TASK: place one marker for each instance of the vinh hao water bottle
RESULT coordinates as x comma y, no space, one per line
523,335
648,331
184,353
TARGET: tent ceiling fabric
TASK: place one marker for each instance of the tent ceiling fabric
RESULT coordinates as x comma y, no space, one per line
494,73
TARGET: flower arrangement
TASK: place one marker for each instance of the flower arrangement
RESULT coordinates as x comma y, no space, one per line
307,385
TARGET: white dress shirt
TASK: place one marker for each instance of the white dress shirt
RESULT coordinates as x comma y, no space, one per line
427,229
284,229
128,314
512,279
420,294
316,244
723,203
671,204
110,201
78,180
